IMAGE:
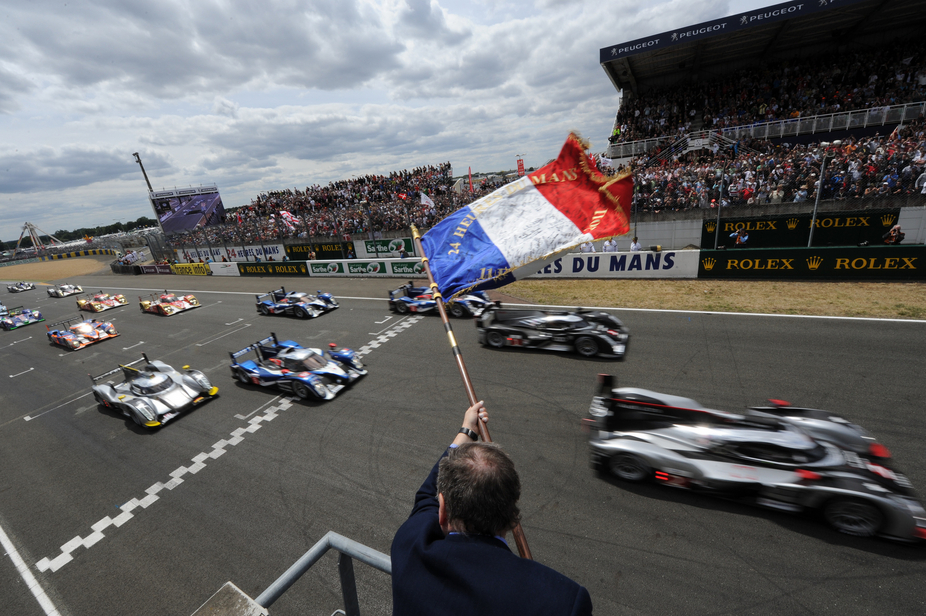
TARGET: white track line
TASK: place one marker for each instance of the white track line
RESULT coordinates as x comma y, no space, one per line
26,574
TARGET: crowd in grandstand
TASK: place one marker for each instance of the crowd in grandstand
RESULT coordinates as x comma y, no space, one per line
762,173
368,204
874,79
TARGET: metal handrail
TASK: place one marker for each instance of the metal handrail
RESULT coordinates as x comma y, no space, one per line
808,125
349,549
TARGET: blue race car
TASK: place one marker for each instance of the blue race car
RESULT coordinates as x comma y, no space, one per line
3,310
409,298
292,368
18,317
295,303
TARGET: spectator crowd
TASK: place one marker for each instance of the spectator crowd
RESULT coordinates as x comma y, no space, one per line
371,204
829,83
764,173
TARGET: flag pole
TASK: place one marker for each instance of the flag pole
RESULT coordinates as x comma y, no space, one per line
520,539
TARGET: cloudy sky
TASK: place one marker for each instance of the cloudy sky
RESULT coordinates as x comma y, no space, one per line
256,96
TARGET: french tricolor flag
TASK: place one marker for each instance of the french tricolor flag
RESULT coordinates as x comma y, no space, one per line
492,241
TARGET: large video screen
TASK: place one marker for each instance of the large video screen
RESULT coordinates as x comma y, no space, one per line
183,209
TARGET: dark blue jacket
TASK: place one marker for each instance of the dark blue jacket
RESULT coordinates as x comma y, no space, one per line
471,575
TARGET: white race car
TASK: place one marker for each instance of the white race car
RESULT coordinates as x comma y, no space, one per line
63,290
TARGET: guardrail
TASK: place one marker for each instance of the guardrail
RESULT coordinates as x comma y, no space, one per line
230,601
826,123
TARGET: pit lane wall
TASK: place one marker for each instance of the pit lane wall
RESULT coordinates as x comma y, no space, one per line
881,263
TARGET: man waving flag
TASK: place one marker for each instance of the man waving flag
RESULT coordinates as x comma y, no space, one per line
492,241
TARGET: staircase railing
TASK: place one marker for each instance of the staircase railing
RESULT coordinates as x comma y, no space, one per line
230,601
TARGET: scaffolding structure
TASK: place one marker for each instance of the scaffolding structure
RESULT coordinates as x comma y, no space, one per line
35,235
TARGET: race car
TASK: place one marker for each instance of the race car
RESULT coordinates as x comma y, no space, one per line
780,456
18,317
63,290
587,332
4,310
295,303
307,373
409,298
76,333
167,303
101,301
19,287
154,393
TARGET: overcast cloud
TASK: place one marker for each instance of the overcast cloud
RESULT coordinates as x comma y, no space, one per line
256,96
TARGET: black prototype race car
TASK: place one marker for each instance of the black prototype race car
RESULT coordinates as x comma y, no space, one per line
587,332
781,457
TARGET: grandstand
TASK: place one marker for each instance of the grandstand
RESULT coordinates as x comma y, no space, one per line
743,110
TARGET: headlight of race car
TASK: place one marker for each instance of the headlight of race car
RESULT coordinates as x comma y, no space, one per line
356,363
200,379
598,409
144,409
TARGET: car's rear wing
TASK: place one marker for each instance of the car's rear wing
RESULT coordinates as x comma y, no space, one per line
242,352
126,369
64,324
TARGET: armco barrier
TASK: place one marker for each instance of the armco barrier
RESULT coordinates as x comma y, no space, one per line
881,263
118,268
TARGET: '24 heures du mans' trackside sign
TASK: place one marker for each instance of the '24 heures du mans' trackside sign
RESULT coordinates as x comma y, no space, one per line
669,264
847,263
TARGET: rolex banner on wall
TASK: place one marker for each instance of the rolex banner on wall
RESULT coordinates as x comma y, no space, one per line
494,240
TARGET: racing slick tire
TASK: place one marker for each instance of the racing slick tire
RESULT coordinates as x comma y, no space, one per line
401,307
853,517
495,339
264,310
586,346
458,310
243,377
300,390
299,313
629,467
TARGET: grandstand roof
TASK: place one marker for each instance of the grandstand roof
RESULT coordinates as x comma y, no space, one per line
791,29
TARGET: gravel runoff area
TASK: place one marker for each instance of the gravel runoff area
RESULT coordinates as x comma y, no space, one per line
889,300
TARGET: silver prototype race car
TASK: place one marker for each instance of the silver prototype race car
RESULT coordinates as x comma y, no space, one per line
154,393
19,287
63,290
781,457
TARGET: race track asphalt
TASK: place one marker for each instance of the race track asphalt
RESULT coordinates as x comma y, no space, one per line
238,489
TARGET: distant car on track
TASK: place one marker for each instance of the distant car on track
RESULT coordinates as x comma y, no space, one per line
153,393
19,317
587,332
63,290
409,298
99,302
781,457
306,372
167,304
19,287
4,310
76,333
295,303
